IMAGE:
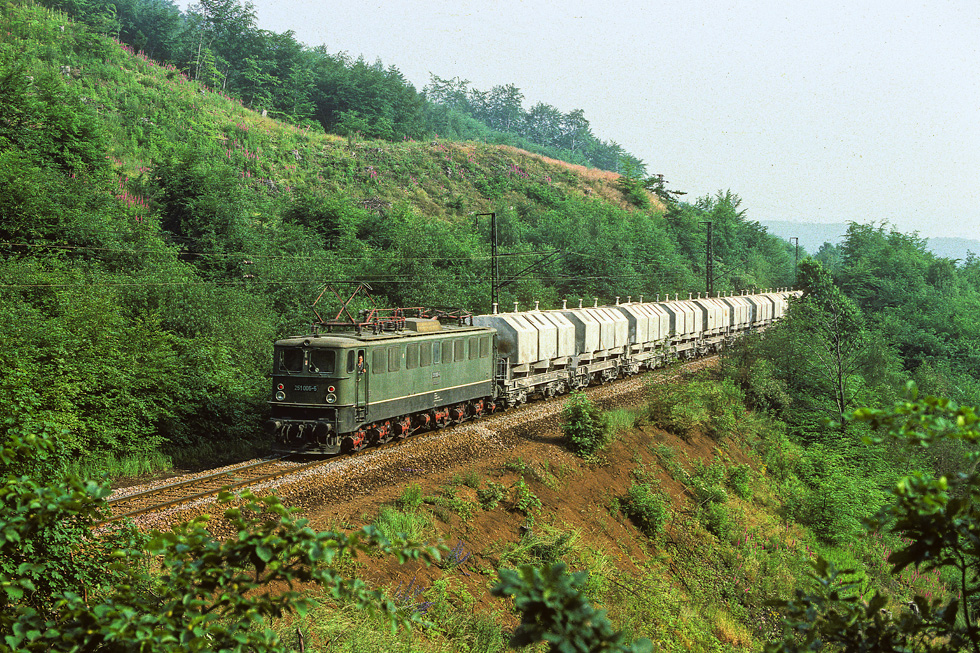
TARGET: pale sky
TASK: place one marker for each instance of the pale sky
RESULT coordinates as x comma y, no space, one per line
808,110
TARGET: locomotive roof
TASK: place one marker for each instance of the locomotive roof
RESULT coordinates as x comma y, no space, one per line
352,339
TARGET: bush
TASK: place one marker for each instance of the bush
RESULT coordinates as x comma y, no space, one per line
525,501
714,517
708,482
831,497
738,481
554,610
585,426
491,495
645,508
700,406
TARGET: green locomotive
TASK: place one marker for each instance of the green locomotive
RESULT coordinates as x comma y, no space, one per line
341,391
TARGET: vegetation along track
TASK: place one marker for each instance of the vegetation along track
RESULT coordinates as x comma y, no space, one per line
199,489
173,495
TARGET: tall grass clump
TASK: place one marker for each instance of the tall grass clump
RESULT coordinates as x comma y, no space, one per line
113,466
392,522
712,408
622,419
404,518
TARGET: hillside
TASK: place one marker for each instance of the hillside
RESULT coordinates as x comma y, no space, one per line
151,209
505,491
156,236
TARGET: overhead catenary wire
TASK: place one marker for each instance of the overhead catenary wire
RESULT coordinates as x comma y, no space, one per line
292,282
270,257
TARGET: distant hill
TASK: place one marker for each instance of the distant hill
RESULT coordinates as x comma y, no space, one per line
813,235
955,248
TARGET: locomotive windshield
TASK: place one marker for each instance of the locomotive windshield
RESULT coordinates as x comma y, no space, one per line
323,361
291,360
319,361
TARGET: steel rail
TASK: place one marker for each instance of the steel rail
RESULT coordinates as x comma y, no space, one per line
200,481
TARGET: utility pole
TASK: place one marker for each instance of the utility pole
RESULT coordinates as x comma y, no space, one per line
709,267
796,261
494,263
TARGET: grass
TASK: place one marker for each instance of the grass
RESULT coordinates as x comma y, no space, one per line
471,478
411,498
622,419
540,546
413,525
110,466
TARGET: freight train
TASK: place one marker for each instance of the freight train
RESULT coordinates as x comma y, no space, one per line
389,374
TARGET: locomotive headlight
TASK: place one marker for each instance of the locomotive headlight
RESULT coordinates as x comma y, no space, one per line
280,395
331,398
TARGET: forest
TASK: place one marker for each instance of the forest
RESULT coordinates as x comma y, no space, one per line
218,44
165,215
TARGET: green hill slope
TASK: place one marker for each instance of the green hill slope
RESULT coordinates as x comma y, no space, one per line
156,236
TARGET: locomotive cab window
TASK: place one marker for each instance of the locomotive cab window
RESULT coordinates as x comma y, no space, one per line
323,361
291,360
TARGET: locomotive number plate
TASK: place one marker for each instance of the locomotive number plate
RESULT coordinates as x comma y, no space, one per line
304,388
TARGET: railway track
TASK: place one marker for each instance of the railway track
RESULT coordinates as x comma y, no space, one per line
201,487
191,490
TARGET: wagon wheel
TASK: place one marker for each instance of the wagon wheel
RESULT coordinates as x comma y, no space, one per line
359,440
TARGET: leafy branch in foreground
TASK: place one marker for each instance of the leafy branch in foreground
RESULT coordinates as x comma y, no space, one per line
554,610
208,594
939,521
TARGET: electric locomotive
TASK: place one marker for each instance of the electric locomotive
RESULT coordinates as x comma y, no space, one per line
378,380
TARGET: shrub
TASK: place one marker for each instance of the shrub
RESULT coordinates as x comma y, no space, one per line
470,479
461,506
645,508
712,408
738,481
585,426
555,610
411,498
708,482
830,498
714,517
525,501
491,495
